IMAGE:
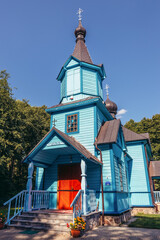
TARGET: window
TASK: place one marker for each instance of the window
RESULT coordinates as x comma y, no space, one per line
72,123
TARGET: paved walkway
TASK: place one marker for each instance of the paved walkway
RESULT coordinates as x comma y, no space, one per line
100,233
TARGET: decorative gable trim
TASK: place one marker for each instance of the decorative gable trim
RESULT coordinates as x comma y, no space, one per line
67,140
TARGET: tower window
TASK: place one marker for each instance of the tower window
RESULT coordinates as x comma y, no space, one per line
72,123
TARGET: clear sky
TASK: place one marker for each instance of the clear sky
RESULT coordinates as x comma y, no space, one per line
37,37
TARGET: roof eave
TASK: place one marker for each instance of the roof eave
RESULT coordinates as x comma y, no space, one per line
72,105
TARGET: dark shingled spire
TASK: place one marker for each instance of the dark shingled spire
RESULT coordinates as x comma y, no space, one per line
80,51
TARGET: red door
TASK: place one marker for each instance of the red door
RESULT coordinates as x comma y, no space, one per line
69,183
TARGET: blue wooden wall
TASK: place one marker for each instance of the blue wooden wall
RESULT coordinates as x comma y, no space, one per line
80,82
139,184
86,126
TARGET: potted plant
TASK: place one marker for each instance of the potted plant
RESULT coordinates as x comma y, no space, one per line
2,220
76,227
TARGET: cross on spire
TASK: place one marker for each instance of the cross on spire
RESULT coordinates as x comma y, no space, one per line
54,122
79,14
107,90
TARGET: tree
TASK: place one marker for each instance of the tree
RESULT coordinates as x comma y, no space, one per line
21,128
152,126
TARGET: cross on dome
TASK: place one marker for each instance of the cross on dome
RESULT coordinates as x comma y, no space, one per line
107,90
79,14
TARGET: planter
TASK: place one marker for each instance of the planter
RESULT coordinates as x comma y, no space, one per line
75,233
1,225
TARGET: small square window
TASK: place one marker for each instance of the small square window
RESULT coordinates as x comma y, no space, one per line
72,123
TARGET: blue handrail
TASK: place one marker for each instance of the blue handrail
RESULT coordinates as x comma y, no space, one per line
39,200
18,205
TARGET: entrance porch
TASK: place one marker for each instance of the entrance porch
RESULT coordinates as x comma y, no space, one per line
64,174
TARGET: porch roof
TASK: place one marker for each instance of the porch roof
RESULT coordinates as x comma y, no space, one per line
72,146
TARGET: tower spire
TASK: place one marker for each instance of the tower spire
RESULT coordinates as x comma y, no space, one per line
80,51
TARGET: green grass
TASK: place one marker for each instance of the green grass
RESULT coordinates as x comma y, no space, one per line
146,221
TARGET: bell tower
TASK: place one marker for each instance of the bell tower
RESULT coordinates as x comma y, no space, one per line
79,77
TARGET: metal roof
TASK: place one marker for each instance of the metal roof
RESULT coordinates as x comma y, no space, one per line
68,103
154,168
132,136
108,132
81,51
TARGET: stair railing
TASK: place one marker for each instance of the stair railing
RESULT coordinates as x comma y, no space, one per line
40,199
91,201
157,196
18,204
77,204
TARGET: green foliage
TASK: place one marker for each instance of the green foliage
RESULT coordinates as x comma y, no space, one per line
152,126
147,221
21,128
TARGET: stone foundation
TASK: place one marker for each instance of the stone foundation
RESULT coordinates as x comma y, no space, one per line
118,219
92,220
147,210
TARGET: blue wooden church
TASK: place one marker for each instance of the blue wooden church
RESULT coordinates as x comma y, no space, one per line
88,161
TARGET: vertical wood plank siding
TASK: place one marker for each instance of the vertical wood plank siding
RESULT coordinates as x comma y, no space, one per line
140,191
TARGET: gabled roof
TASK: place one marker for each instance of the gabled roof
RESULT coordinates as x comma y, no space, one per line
132,136
108,132
69,140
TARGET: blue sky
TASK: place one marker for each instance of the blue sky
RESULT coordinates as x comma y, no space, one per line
37,36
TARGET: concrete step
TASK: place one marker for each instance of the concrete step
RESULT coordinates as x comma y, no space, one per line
44,220
39,227
48,215
27,227
34,222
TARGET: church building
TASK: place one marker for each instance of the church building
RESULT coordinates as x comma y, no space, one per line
88,155
84,131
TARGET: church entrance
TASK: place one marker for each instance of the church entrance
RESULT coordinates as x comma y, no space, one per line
69,183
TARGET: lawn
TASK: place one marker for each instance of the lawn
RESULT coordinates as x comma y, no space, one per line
146,221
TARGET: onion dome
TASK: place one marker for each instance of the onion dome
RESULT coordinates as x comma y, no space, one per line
80,32
111,107
80,51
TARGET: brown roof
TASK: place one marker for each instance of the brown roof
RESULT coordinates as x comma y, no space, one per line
71,140
154,168
130,136
68,103
108,132
81,52
80,148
